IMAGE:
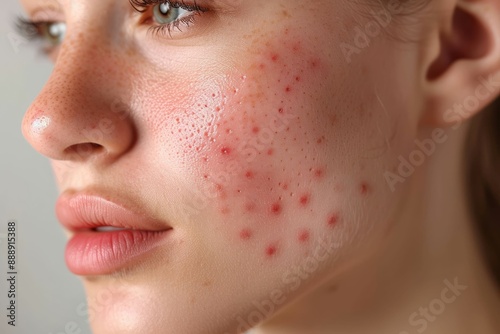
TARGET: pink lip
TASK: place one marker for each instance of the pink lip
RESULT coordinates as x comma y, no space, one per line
90,252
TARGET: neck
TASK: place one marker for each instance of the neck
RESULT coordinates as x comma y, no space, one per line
429,276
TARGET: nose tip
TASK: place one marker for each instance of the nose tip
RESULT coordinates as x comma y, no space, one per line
64,130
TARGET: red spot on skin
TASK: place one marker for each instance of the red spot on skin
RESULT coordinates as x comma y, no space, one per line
332,220
297,79
225,210
249,174
364,188
314,63
245,234
271,250
280,110
270,151
318,173
255,129
276,208
225,150
304,236
274,57
285,186
304,199
320,140
250,207
288,89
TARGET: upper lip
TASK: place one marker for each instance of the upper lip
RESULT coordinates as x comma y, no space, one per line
89,210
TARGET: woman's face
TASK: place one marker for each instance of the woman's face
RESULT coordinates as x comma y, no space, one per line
250,129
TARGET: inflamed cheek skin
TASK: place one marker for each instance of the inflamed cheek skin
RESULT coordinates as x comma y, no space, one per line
261,154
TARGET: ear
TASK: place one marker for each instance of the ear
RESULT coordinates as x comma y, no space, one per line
462,64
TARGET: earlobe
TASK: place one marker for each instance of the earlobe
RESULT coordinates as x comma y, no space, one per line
465,75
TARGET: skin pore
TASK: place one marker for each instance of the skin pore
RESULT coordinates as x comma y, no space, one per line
251,135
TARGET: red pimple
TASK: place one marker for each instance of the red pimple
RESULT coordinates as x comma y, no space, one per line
314,63
255,129
274,57
332,219
288,89
225,210
281,110
304,235
245,234
297,78
319,173
225,150
364,188
250,207
270,151
271,250
249,174
320,140
304,199
276,208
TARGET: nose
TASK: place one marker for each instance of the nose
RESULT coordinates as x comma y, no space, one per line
82,112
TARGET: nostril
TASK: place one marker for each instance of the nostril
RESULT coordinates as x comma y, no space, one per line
83,150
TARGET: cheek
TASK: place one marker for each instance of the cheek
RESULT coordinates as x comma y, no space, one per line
260,152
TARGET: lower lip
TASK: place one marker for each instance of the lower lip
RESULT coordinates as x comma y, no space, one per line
99,253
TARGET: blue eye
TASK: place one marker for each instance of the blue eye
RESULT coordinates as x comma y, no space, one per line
165,13
168,15
49,34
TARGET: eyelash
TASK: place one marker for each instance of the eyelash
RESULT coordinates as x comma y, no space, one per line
34,31
142,6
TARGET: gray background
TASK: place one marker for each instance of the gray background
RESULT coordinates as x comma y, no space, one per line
48,294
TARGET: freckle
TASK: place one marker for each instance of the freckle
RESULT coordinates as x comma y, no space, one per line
225,150
255,129
333,220
276,208
304,236
246,234
364,188
271,250
304,200
249,174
